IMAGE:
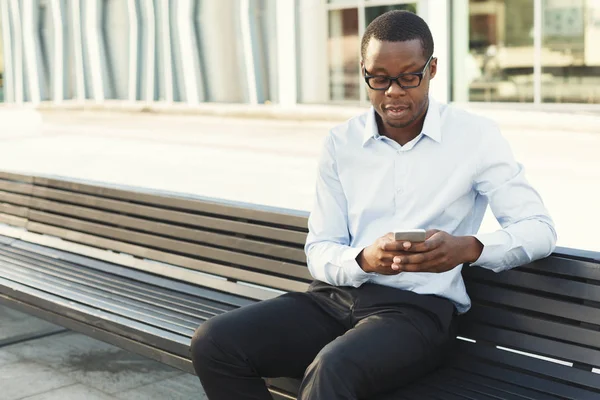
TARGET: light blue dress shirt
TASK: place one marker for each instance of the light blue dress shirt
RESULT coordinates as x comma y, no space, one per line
369,185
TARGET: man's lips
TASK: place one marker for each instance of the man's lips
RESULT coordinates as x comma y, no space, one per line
396,108
395,111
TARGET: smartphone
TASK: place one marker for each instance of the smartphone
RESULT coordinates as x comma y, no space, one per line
410,235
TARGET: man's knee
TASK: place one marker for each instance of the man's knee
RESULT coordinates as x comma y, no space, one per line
210,341
332,365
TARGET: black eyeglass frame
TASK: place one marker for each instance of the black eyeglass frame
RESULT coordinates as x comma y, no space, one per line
396,79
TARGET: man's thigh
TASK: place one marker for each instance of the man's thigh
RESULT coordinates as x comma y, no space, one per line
388,350
278,337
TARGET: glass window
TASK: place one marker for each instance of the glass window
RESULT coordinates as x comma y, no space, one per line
343,47
570,51
373,12
499,62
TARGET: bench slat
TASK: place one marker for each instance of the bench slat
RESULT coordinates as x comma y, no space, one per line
420,392
539,304
13,220
112,307
140,289
534,344
529,324
567,267
538,282
156,212
179,290
207,253
518,378
187,262
147,334
169,276
557,373
157,309
448,386
16,211
577,254
468,378
167,229
13,176
269,215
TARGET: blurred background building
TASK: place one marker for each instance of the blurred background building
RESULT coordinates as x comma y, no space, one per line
289,51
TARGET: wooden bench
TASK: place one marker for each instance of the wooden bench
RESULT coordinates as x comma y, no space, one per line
142,269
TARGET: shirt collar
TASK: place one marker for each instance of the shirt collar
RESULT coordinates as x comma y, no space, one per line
432,126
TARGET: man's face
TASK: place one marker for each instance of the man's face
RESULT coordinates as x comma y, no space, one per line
398,108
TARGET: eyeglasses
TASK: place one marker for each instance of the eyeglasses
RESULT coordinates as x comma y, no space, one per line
405,81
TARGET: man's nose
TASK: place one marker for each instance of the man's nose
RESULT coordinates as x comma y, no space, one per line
395,90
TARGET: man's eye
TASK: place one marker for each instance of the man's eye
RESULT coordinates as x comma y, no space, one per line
409,79
379,80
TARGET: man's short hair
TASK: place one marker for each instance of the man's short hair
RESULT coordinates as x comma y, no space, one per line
398,26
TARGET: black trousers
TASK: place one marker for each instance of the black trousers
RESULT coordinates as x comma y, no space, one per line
343,342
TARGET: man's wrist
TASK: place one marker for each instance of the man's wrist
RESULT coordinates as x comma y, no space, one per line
362,261
474,249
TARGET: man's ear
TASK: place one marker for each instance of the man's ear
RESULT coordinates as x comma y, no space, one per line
362,68
433,68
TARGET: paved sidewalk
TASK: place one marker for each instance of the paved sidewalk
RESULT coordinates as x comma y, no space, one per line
71,366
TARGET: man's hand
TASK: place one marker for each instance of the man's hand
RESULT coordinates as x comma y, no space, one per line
440,252
379,256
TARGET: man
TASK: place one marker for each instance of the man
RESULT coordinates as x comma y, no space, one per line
381,313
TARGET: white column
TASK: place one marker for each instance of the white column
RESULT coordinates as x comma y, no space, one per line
221,49
313,72
166,53
18,50
362,26
188,52
435,13
248,53
537,51
286,52
30,47
460,49
7,41
133,51
58,58
149,49
93,37
77,50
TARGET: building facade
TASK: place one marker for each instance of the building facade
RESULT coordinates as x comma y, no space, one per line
289,51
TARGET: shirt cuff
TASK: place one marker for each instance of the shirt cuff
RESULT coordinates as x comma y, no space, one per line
495,245
356,274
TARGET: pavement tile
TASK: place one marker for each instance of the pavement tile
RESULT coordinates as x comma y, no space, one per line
117,370
73,392
16,325
182,387
92,362
23,379
7,358
62,352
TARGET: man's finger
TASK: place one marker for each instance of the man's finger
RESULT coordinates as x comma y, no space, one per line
416,258
393,246
430,232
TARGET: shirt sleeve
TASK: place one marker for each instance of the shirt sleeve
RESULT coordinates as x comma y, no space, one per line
329,255
528,231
